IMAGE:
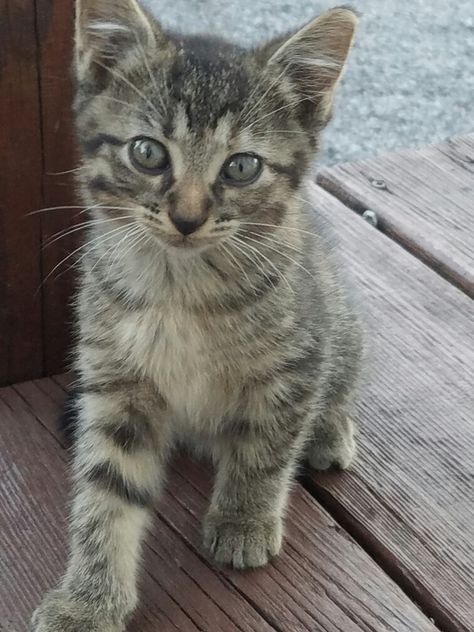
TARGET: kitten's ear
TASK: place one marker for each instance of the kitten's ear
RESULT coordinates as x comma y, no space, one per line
313,58
105,29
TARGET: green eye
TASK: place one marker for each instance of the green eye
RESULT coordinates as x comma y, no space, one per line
242,169
148,155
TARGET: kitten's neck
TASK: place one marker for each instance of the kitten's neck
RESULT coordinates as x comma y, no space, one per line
197,281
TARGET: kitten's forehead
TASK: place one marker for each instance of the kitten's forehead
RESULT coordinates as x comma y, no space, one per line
202,149
208,78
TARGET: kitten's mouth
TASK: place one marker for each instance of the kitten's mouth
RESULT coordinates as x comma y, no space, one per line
186,243
182,242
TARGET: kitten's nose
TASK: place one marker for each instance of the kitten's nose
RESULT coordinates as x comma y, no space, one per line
186,225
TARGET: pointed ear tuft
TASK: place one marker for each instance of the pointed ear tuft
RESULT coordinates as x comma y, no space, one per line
313,58
105,28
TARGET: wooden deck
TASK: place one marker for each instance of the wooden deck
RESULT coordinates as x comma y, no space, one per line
386,547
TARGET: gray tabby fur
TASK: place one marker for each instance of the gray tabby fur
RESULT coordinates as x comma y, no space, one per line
238,340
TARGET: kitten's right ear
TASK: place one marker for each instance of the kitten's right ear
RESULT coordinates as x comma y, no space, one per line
106,29
313,58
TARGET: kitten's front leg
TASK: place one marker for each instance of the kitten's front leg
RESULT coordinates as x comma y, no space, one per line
244,525
118,464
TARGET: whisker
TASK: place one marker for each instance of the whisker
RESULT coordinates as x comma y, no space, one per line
76,263
116,252
63,173
237,262
147,66
277,241
283,254
278,271
264,116
127,82
268,133
300,230
83,225
135,243
250,256
93,242
83,209
105,237
60,208
291,103
255,105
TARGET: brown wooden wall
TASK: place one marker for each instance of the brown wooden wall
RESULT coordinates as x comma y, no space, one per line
36,142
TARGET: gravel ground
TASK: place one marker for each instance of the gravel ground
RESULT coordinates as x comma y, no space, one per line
410,79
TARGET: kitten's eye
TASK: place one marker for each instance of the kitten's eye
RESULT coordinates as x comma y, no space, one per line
242,169
148,155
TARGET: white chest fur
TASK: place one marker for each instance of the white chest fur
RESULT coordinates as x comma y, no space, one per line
177,354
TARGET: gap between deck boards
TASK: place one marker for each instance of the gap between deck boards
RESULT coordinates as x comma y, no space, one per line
351,202
363,539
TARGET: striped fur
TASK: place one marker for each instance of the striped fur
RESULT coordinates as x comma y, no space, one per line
237,340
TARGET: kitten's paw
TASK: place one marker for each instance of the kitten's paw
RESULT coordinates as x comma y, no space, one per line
60,613
243,543
339,454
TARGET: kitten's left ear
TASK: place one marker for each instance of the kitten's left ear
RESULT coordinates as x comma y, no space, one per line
313,58
106,29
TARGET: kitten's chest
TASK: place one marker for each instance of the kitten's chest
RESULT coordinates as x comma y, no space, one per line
180,356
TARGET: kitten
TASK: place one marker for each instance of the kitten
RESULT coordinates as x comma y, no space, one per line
209,308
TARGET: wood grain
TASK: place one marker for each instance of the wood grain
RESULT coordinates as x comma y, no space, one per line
426,202
323,581
55,37
410,497
20,192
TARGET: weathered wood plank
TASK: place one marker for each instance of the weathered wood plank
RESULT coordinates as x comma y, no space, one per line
410,497
423,198
323,581
180,591
21,156
55,36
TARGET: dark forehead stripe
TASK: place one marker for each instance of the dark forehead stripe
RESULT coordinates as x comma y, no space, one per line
294,171
208,77
100,184
91,146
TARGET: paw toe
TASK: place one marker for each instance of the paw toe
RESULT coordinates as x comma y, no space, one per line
340,456
243,544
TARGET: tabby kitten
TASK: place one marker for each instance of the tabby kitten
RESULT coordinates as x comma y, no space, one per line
210,311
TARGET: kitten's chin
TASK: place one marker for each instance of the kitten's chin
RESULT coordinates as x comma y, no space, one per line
185,246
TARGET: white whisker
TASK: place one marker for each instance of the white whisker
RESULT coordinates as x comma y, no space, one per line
260,254
116,251
127,82
83,225
277,241
247,115
63,173
237,262
300,230
283,254
105,237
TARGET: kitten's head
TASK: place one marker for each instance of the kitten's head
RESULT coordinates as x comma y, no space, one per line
194,138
